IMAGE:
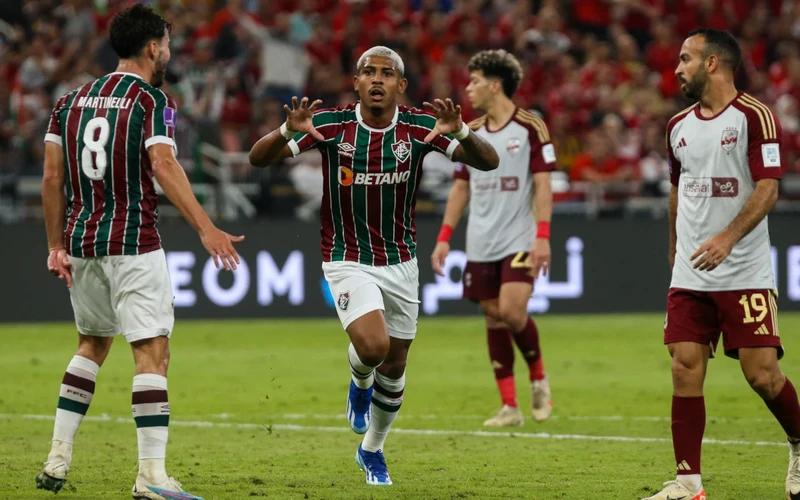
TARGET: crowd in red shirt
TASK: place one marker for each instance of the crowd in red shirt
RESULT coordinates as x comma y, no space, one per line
599,71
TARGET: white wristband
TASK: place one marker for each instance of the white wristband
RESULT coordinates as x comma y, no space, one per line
285,132
463,133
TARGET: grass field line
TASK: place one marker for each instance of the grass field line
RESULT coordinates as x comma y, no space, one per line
419,432
582,418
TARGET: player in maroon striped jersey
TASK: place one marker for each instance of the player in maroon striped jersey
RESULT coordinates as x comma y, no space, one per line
106,142
372,154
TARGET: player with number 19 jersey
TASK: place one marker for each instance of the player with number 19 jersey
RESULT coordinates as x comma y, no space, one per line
105,128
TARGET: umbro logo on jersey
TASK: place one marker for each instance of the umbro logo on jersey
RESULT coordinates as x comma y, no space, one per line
681,143
348,178
346,149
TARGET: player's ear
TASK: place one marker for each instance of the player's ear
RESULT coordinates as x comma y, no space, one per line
402,85
355,83
151,50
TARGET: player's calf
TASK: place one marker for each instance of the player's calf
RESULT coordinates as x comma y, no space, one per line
362,376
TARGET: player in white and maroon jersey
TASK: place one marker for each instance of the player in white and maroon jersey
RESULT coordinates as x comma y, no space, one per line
725,163
372,154
105,144
506,246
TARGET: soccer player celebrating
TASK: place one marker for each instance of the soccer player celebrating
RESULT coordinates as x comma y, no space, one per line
506,248
105,142
725,164
372,153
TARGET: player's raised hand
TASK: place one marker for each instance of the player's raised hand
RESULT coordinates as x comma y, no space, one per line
299,117
58,264
712,252
448,117
438,257
220,245
540,256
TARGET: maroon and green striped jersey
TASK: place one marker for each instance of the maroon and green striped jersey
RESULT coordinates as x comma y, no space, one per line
104,129
371,178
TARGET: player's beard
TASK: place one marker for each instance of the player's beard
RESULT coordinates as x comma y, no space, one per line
695,86
159,72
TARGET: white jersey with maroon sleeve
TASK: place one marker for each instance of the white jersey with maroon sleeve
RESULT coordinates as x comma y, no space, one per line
715,164
501,221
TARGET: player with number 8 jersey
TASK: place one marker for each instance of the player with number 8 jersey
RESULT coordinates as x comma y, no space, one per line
105,128
107,144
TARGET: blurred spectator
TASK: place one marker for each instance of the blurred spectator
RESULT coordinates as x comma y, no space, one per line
600,71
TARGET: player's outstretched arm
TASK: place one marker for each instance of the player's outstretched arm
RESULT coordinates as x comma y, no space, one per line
457,201
273,147
473,150
54,204
170,175
715,250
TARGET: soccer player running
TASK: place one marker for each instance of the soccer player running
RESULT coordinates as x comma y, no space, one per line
725,164
105,142
506,247
372,154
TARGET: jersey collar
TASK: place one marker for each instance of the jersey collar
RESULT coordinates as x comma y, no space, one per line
371,129
127,74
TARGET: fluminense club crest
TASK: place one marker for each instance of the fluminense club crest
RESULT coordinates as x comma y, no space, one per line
401,150
344,300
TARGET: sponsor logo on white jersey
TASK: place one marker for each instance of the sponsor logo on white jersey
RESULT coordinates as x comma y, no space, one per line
710,187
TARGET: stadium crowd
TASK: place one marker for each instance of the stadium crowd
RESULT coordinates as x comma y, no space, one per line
599,71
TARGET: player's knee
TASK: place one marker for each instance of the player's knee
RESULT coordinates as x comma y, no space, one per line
514,317
94,348
767,383
492,314
686,371
373,353
393,369
151,355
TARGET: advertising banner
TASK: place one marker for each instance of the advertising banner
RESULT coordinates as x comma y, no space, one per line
597,267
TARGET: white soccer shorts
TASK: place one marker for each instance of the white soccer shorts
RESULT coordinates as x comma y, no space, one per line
358,289
128,294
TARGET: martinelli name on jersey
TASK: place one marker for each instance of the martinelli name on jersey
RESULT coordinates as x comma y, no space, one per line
371,178
104,129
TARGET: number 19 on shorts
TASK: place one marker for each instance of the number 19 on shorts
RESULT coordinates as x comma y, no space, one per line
756,306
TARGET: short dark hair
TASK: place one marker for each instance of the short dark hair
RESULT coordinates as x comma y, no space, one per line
722,44
133,28
498,64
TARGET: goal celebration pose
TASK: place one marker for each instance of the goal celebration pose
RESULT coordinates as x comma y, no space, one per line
372,154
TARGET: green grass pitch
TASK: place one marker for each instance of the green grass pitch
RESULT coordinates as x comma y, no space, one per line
257,411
